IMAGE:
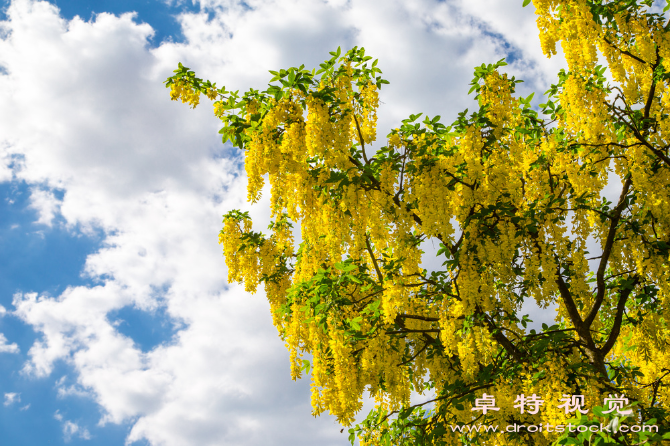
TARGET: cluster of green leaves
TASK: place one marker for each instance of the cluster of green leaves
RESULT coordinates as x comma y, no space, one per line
606,427
284,83
188,76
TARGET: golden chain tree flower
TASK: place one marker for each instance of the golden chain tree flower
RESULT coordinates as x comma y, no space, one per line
511,197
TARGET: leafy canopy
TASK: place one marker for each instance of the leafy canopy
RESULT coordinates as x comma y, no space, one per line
514,198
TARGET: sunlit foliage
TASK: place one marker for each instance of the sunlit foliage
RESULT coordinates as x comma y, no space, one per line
514,198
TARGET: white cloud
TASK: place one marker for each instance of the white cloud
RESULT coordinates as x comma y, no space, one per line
7,348
45,203
14,398
5,170
71,429
72,390
11,398
85,112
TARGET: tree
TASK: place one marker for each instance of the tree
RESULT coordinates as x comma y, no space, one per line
513,199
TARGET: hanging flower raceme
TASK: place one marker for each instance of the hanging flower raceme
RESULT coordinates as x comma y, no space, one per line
510,203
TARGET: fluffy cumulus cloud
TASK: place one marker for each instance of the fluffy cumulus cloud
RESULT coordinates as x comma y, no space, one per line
88,126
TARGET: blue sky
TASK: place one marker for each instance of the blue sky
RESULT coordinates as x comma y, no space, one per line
43,259
119,324
159,14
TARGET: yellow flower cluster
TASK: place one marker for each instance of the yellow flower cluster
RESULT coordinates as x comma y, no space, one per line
188,95
368,112
516,206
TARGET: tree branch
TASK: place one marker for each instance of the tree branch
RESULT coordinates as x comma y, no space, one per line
627,53
421,318
569,303
360,138
607,251
616,328
409,330
652,90
374,260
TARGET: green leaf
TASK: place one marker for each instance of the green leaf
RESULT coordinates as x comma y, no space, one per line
306,366
526,3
